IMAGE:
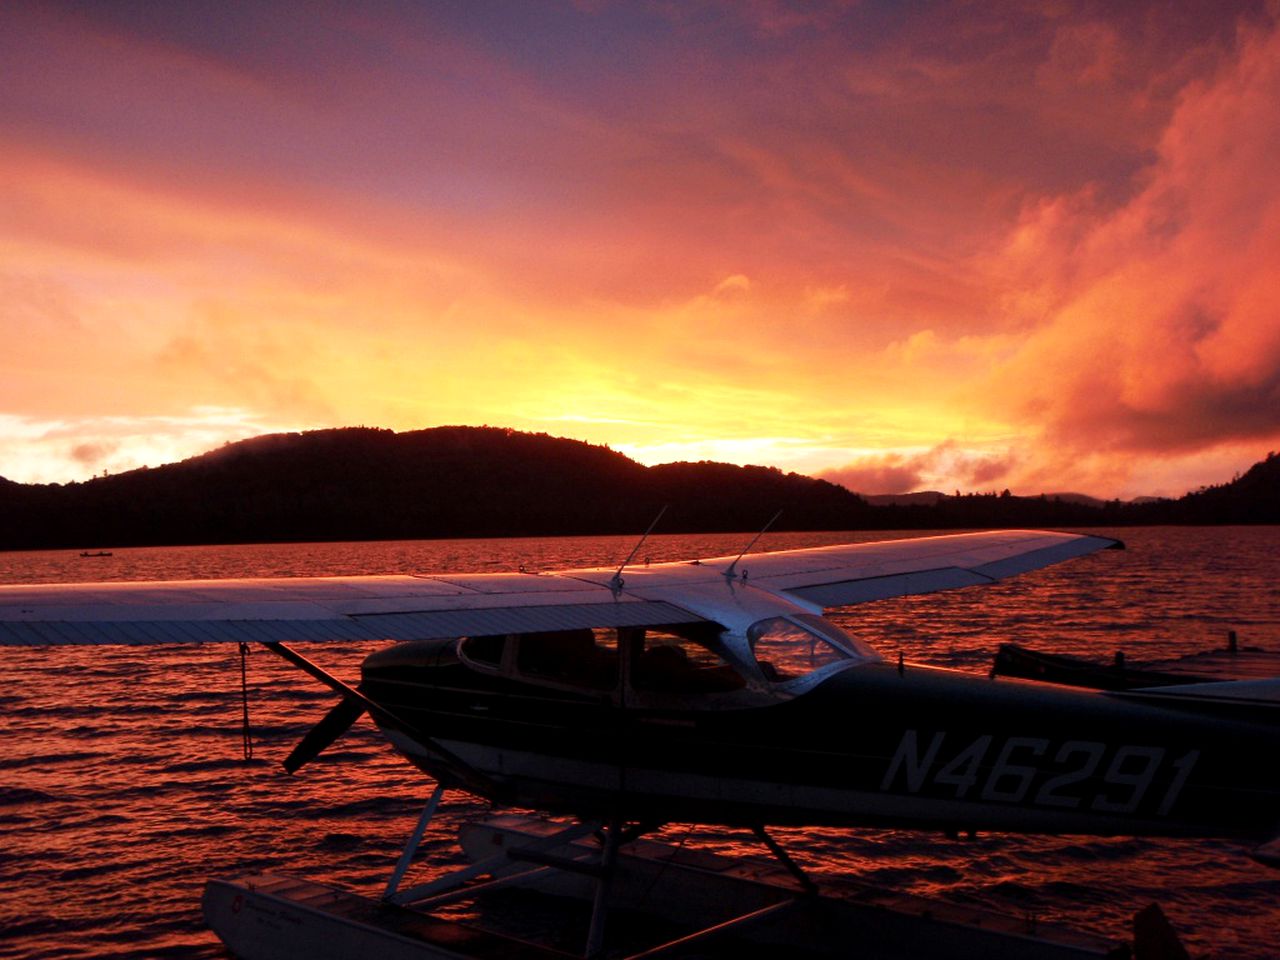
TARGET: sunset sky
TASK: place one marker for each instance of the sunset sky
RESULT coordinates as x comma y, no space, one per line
901,245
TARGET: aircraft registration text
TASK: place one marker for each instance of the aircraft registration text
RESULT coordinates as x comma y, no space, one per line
1068,775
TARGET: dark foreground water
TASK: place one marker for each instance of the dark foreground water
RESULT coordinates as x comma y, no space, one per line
122,785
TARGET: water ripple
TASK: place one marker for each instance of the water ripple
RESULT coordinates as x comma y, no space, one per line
125,787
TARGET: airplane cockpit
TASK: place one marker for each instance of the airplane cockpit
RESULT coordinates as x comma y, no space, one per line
676,666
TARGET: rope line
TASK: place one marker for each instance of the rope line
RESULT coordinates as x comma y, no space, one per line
246,736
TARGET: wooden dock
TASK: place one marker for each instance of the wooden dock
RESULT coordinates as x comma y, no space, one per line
663,901
282,918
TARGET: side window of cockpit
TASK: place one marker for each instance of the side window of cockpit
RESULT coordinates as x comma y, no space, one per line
572,658
668,663
785,650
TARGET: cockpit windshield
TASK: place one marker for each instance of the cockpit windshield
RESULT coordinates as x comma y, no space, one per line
789,647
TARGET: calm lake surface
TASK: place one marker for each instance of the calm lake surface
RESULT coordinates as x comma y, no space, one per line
122,785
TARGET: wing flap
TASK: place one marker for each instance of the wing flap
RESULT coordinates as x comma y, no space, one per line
1012,566
845,592
857,573
176,622
301,598
457,623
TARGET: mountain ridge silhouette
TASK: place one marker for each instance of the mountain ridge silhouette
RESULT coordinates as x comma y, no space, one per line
366,483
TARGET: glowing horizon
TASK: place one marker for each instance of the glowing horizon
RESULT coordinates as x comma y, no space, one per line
946,248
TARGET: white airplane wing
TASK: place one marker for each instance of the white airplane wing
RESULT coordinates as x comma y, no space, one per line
335,609
856,573
344,609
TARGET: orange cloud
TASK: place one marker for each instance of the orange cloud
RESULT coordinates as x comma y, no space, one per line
856,234
1152,327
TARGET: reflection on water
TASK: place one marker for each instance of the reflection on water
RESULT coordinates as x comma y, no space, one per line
122,785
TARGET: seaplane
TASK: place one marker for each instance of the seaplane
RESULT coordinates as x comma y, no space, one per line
715,692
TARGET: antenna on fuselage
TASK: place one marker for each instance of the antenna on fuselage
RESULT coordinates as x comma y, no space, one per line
617,581
729,574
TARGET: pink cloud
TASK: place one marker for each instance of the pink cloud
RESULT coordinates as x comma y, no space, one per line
947,466
90,454
1153,326
885,473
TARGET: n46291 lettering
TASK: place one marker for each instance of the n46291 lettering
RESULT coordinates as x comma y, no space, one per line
1067,775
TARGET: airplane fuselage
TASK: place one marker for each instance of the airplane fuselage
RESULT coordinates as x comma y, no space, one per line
869,744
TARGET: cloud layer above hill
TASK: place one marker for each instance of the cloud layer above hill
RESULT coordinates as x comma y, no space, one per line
945,246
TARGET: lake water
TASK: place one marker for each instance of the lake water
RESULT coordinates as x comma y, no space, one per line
122,785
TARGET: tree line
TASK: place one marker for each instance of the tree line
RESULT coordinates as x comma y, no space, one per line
363,483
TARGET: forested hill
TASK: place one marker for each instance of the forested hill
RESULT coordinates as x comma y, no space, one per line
369,484
1253,497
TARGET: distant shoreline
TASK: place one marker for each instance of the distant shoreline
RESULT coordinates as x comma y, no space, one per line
365,485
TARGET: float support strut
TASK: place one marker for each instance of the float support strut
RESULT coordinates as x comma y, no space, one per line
411,847
793,868
497,861
599,909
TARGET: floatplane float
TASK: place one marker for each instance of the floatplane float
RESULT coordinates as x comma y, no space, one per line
709,692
